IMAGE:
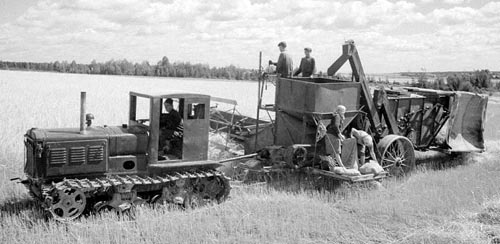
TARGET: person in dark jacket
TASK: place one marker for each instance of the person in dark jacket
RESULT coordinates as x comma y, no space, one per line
171,130
172,119
284,66
334,135
307,64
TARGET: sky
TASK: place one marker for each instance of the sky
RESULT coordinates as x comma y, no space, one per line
390,35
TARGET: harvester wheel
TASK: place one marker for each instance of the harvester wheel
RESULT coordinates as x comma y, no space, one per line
398,155
67,204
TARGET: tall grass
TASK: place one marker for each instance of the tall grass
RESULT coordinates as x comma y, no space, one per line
459,203
454,205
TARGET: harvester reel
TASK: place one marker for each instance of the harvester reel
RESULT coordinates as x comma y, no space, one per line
66,204
398,155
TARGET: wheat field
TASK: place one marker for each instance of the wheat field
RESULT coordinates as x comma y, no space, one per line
456,201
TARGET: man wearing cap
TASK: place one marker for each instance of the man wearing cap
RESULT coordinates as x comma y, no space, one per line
284,66
307,64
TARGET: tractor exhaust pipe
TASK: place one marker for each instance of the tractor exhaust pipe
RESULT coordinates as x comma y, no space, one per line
83,105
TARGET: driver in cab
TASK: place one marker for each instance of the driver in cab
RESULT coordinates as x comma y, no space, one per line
170,122
170,131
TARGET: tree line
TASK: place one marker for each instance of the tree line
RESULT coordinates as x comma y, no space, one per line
477,81
162,68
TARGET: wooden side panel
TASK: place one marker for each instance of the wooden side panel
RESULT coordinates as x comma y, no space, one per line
329,96
295,95
288,130
154,136
132,108
296,99
196,128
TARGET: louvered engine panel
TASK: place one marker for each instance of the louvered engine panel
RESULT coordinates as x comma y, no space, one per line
58,156
96,154
76,157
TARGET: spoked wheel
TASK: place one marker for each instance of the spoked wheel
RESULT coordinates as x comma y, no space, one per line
398,155
67,204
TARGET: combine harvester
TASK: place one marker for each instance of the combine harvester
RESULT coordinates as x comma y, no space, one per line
401,123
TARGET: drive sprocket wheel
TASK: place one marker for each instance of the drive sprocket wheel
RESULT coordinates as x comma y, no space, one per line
67,204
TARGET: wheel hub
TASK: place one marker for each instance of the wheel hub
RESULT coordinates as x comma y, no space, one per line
399,161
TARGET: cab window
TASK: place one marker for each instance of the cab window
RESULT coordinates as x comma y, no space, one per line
196,111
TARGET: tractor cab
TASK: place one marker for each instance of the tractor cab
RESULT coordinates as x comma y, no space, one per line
178,125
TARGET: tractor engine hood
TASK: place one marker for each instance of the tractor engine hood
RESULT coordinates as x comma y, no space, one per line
120,139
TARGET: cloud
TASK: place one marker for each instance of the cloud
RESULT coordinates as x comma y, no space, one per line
222,32
457,15
454,1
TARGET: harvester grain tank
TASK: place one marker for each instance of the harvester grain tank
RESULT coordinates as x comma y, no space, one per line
95,168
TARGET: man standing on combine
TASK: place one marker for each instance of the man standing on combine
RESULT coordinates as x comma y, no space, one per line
307,64
334,135
284,66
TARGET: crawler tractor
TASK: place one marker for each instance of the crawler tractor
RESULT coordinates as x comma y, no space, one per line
94,168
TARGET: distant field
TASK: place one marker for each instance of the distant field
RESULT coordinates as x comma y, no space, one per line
458,204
